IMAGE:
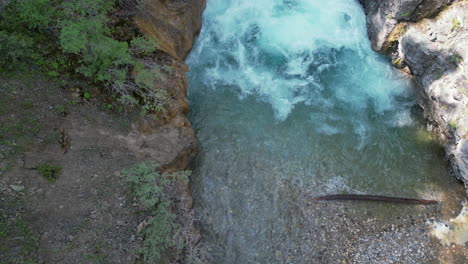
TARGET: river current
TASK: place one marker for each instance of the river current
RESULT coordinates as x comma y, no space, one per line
288,102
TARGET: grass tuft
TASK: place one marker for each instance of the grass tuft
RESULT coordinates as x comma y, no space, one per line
50,172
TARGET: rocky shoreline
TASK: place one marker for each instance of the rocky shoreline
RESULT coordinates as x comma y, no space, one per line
428,39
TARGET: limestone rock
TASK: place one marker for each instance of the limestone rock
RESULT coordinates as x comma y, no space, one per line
434,46
384,15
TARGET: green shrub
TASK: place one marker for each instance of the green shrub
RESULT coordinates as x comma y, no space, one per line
397,61
34,15
86,35
452,124
17,50
150,188
456,59
102,59
48,171
407,13
153,100
456,24
61,109
143,46
86,95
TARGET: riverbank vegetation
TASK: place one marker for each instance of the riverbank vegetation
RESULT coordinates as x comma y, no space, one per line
83,40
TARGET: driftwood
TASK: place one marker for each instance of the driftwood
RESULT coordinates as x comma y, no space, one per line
375,198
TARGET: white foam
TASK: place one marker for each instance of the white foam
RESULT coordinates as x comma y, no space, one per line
338,184
402,118
282,52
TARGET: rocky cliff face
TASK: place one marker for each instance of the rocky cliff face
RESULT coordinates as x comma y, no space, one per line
175,23
428,39
384,15
169,140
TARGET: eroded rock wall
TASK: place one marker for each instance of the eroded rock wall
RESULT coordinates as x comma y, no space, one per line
174,24
170,139
384,15
429,40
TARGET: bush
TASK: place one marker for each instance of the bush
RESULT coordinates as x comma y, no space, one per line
143,46
102,59
32,15
17,50
86,35
150,188
48,171
456,24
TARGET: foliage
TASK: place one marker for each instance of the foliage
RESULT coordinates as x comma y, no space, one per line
48,171
86,95
143,46
452,124
143,90
24,23
75,36
86,35
456,59
61,109
15,49
152,99
407,13
456,24
150,187
34,15
397,61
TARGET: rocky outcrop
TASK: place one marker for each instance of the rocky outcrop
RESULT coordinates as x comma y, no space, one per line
174,24
384,15
170,139
429,40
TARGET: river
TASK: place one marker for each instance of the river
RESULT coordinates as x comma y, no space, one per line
289,102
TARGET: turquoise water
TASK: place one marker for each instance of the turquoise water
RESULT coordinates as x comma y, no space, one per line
288,95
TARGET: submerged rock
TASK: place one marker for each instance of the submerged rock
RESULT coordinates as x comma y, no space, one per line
433,46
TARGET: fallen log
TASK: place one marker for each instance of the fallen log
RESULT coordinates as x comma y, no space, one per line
374,198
